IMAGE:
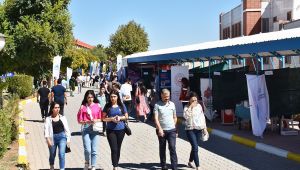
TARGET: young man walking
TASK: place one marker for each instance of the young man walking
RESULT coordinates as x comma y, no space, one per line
43,96
58,94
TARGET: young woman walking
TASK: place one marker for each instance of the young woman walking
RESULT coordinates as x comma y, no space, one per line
57,134
195,125
115,114
88,115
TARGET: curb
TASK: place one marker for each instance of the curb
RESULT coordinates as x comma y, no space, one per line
259,146
22,155
253,144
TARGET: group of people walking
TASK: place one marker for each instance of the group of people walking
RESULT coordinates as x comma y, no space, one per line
109,109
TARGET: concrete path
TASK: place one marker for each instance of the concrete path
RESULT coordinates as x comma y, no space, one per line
139,151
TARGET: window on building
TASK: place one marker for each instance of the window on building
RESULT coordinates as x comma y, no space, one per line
288,59
289,16
265,25
275,19
239,29
226,33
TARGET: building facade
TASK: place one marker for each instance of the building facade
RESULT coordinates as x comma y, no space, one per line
260,16
83,45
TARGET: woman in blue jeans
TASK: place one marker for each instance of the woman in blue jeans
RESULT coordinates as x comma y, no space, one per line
195,125
57,134
89,113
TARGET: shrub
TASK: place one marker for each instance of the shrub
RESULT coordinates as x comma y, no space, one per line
20,85
8,123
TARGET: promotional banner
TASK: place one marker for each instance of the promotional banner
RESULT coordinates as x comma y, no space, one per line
56,67
259,103
177,72
119,62
69,73
206,94
164,79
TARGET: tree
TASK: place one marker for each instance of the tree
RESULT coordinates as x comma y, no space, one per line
128,39
78,58
100,52
36,30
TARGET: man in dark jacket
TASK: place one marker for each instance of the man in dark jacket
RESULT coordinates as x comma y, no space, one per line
43,96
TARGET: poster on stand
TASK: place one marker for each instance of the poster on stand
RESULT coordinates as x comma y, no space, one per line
259,103
165,79
206,95
177,72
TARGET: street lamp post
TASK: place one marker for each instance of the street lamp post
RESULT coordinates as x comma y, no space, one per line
2,43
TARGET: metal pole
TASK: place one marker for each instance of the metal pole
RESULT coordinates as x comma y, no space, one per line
283,61
261,63
229,63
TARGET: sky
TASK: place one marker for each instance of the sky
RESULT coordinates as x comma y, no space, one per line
168,23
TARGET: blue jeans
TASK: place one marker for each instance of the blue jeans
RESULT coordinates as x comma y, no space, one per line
194,138
90,143
60,141
170,136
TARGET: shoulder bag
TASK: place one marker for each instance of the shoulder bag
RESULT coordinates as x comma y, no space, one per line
97,126
127,128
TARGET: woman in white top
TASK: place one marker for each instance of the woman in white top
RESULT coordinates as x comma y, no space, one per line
57,134
195,125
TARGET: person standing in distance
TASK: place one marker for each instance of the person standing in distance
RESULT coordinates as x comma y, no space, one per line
43,96
165,120
58,95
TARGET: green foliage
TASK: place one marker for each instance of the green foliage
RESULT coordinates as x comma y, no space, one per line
20,85
100,52
36,30
78,58
8,123
3,85
128,39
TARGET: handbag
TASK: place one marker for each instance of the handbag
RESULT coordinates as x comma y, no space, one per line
204,136
127,129
97,126
68,149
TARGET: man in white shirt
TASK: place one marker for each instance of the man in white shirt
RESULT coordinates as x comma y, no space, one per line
125,90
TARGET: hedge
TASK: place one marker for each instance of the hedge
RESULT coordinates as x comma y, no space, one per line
21,85
8,123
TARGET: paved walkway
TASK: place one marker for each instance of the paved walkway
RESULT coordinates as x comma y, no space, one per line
139,151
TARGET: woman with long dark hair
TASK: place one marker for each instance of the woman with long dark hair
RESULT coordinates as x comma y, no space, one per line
195,125
142,108
115,114
88,115
184,93
57,134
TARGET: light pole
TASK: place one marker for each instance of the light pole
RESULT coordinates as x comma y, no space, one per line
2,43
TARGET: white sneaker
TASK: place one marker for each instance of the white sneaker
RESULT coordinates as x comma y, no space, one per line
86,166
51,167
93,168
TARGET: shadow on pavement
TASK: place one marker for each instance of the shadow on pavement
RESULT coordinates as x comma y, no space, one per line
70,169
75,133
153,166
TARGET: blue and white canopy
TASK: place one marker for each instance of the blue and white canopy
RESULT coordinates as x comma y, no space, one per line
279,43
